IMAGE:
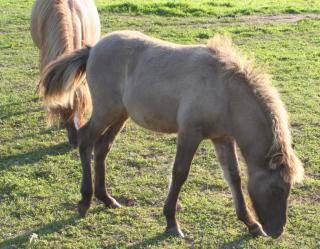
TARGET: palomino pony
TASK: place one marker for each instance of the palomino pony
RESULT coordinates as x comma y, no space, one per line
197,91
58,27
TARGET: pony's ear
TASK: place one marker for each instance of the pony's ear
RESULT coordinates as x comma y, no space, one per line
276,161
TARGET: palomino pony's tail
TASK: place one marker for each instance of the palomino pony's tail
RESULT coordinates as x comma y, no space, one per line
63,80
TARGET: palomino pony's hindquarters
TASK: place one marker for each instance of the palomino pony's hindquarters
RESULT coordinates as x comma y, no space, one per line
62,77
57,28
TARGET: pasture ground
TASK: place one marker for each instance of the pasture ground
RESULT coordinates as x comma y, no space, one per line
40,173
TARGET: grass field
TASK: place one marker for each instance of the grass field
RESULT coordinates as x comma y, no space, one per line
40,173
208,8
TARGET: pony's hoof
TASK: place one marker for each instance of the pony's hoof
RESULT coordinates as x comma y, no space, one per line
108,201
114,204
256,230
175,231
83,209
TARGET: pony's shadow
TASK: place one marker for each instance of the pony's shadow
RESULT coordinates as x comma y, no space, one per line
33,156
9,114
28,136
149,242
237,242
19,103
161,237
53,227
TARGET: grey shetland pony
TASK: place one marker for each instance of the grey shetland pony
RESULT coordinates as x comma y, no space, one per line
58,27
197,91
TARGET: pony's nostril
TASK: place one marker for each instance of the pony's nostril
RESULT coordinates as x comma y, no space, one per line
273,233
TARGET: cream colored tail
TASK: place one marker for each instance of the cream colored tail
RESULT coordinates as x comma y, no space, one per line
61,78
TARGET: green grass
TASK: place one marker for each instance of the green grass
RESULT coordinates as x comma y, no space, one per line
208,8
40,173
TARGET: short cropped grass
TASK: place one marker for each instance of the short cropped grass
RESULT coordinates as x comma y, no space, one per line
219,8
40,173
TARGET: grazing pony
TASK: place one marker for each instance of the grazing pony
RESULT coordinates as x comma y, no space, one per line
58,27
197,91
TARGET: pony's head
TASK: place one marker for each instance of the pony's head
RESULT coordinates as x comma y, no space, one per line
270,179
269,190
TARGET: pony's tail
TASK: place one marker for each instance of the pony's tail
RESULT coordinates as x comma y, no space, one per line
60,79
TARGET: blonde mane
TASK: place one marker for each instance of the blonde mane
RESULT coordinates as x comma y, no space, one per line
260,84
54,22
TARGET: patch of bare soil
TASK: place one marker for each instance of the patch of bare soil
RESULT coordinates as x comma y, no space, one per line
225,21
206,22
288,18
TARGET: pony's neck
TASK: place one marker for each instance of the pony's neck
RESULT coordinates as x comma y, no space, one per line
251,125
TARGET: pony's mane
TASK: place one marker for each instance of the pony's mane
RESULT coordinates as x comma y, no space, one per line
55,19
239,66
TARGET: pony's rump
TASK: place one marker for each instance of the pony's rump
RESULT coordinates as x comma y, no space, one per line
61,77
59,27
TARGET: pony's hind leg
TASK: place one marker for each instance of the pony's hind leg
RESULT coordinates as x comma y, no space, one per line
187,145
86,137
101,149
226,151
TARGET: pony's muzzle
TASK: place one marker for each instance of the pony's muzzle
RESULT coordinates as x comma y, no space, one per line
273,232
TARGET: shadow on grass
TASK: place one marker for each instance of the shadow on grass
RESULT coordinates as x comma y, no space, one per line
10,114
33,156
20,103
161,237
153,241
21,240
237,242
27,136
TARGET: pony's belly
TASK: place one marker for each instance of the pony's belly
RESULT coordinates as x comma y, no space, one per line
151,113
154,122
151,107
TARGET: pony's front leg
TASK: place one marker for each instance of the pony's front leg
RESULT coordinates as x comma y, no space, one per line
101,149
187,145
226,151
